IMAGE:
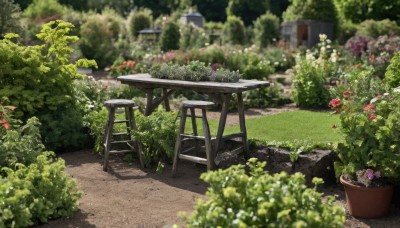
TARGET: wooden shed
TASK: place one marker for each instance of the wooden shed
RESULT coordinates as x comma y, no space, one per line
305,32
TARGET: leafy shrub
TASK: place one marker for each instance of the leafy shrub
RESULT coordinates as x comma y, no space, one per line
45,10
374,29
139,20
311,76
195,71
257,200
392,75
10,13
279,57
234,31
39,81
212,54
21,144
97,35
266,97
193,37
157,133
36,192
346,30
170,36
96,121
266,29
256,68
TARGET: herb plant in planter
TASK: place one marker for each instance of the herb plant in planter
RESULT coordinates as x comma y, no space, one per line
370,154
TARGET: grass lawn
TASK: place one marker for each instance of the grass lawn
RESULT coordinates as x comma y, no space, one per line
287,126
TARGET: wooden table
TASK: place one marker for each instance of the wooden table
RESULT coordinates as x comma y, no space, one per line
146,83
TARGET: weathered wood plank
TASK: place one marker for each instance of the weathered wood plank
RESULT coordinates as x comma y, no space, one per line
146,81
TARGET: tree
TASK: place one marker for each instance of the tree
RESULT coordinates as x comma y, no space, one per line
277,7
266,28
170,37
247,10
9,17
217,14
323,10
358,11
234,32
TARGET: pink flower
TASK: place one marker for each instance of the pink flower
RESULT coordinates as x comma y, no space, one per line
5,124
369,107
346,93
371,116
334,103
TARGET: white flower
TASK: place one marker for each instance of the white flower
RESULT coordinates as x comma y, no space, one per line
323,37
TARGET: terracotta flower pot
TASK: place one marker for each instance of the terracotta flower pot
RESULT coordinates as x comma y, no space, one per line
363,202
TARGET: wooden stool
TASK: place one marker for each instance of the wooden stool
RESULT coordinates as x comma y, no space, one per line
129,106
179,154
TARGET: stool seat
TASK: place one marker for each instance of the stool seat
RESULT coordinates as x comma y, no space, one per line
117,103
129,107
197,104
179,153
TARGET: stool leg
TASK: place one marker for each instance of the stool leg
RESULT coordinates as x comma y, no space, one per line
108,136
128,117
207,137
178,144
194,127
133,127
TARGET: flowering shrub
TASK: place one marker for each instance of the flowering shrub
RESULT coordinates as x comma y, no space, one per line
392,75
371,133
126,67
312,74
357,45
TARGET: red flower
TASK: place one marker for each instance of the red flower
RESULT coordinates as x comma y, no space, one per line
346,93
5,124
372,116
369,107
334,126
334,103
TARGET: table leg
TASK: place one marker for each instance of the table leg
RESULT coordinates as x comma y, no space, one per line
222,121
240,107
166,100
149,102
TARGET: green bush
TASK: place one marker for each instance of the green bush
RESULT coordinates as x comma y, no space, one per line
36,193
137,21
21,144
392,75
347,30
38,80
45,10
234,31
372,28
10,17
271,96
212,54
279,57
170,36
157,133
97,35
266,29
263,200
256,68
309,86
193,37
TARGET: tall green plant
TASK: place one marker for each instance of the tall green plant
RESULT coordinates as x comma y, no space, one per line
266,29
170,36
248,11
9,17
139,20
234,31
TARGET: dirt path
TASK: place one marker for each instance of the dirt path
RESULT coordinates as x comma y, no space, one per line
129,197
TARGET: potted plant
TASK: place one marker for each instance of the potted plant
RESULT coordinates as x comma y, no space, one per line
369,156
